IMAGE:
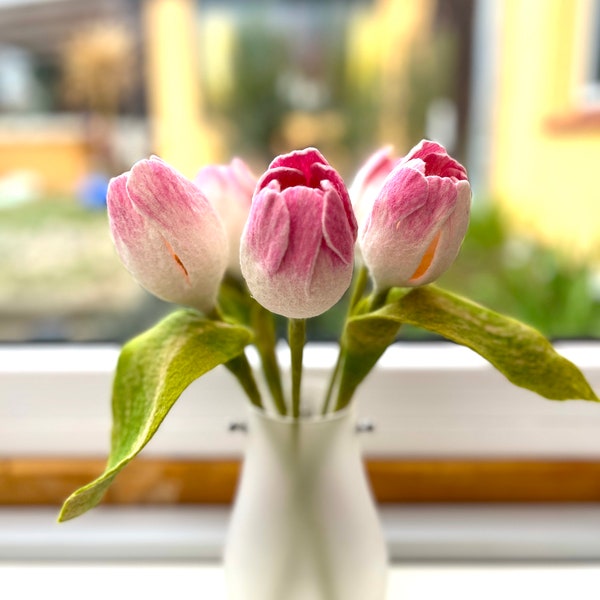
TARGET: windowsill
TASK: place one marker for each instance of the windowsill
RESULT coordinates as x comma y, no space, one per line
426,400
447,428
407,581
466,552
440,532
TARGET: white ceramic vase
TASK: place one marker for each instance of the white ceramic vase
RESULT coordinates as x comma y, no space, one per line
304,524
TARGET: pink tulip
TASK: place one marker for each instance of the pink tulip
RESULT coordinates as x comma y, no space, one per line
229,189
298,245
369,180
418,221
167,234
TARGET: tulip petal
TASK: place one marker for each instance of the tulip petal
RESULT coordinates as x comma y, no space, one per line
337,232
229,188
285,176
452,233
152,182
267,230
299,159
305,206
125,222
320,173
437,161
376,168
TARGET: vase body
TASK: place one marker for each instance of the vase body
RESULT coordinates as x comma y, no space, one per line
304,524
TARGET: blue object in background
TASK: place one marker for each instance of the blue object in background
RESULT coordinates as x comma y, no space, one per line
92,191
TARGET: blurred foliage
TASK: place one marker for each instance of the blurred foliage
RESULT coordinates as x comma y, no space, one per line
291,70
510,275
259,57
61,280
61,252
523,279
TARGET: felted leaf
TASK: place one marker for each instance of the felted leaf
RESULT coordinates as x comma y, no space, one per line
518,351
152,372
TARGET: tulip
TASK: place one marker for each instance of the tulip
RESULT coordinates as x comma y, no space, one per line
369,180
167,234
298,244
417,223
229,189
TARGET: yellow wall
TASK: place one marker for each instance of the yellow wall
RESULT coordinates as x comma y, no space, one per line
58,165
179,133
546,180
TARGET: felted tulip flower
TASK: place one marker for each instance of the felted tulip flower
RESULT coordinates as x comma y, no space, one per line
167,234
298,244
369,180
417,223
229,189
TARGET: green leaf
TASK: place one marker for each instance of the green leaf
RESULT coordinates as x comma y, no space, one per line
152,372
518,351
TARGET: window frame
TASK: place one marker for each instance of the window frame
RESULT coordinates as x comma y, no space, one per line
461,433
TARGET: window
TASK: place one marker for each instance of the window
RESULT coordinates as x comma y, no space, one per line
591,85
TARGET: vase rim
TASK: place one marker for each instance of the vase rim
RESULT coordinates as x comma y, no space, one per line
315,419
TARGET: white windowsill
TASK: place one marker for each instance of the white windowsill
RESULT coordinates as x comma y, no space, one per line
460,553
405,582
465,533
425,399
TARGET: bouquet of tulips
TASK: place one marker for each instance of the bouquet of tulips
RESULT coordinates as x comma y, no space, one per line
236,250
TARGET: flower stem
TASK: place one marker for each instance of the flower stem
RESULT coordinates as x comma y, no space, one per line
360,285
240,368
358,290
265,340
296,339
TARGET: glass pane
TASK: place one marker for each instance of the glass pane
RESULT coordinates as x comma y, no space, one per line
88,87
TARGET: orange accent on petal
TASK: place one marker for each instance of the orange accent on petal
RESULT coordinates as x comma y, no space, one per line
177,260
427,258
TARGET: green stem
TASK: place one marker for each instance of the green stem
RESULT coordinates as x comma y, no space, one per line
240,368
360,285
344,393
296,339
266,338
378,299
333,380
358,290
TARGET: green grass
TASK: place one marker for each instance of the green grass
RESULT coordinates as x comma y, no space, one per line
48,212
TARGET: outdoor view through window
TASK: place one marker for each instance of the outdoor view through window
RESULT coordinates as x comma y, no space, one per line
87,87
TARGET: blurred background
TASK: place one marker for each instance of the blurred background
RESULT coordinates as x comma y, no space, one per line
87,87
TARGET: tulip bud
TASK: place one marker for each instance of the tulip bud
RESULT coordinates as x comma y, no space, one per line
167,234
417,223
369,180
229,189
298,244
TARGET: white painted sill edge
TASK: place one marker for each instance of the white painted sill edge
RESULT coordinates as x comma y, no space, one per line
426,399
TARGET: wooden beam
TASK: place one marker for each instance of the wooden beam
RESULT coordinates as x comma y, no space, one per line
48,481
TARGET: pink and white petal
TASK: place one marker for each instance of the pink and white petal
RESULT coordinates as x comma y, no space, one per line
125,223
299,159
375,169
165,196
338,233
305,207
284,176
266,235
243,176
